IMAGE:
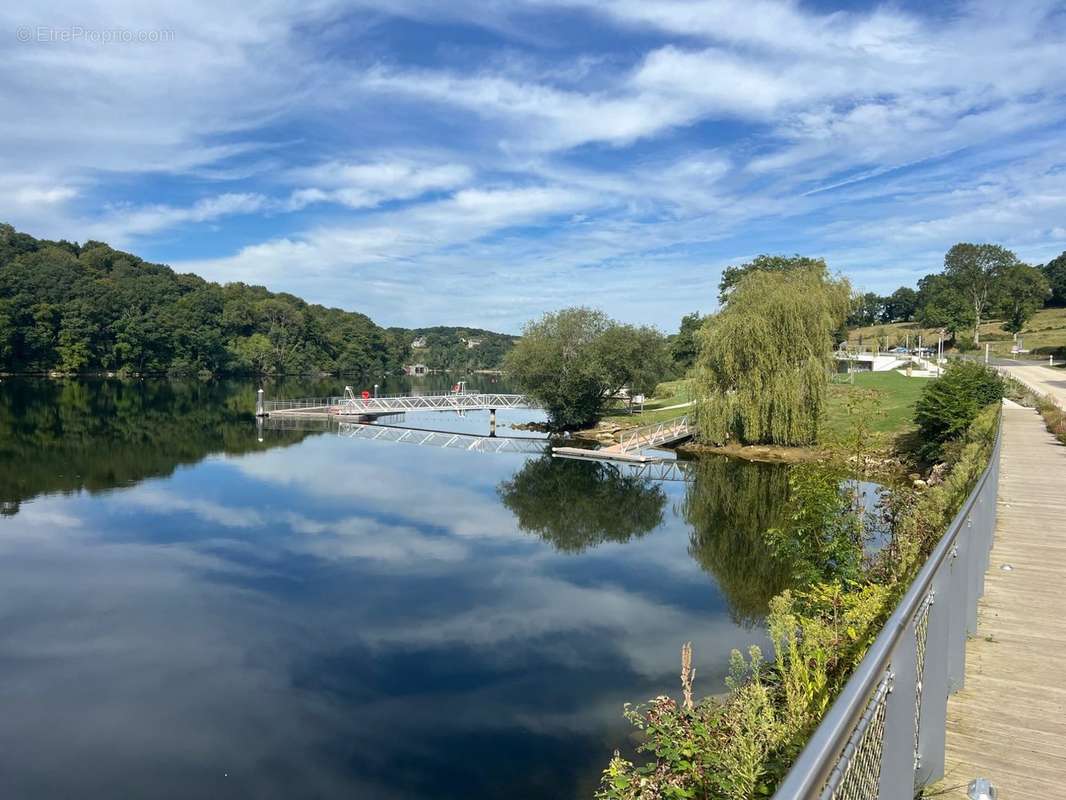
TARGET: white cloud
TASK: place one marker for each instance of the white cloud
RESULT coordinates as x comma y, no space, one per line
125,222
597,174
368,184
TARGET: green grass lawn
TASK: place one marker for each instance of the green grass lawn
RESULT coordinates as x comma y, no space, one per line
895,396
656,408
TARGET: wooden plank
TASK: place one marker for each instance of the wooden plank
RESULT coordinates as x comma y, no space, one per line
1009,723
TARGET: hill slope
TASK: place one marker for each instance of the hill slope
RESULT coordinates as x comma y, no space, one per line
88,308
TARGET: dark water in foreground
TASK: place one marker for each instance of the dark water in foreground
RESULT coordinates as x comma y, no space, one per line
189,612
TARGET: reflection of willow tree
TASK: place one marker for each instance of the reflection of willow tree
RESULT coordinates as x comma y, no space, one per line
63,436
576,505
730,506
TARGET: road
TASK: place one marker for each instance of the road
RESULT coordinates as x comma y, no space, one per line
1045,380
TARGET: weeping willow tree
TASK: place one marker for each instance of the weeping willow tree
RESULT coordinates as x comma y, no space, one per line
731,505
762,370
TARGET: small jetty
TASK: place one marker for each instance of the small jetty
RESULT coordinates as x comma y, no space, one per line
367,405
633,443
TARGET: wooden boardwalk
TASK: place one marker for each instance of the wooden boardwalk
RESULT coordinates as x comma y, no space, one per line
1008,723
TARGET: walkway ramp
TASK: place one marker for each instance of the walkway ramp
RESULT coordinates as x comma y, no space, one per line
633,442
1008,723
353,406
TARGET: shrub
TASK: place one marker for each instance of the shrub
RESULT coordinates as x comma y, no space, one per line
950,403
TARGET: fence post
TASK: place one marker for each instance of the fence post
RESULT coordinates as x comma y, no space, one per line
956,602
897,753
933,705
974,572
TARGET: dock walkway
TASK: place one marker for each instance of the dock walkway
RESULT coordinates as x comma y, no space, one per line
1008,723
633,442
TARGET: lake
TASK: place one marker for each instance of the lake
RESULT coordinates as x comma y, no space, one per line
193,607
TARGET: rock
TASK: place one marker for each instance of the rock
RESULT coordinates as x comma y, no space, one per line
920,484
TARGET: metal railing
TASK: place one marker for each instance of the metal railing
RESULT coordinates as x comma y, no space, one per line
397,403
655,433
443,439
884,735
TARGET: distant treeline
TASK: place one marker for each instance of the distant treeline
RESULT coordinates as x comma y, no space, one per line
451,348
978,281
89,308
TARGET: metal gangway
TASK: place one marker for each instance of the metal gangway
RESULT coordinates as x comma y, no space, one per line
633,442
351,405
656,434
442,439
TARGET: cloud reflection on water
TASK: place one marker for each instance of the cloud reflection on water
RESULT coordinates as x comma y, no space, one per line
333,619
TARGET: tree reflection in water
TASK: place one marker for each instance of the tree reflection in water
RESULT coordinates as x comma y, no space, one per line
730,505
96,435
576,505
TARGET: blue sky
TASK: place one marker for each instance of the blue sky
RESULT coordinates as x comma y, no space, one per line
482,162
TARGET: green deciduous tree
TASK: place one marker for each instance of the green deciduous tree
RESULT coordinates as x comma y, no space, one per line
975,270
867,308
684,346
1021,292
762,372
900,305
573,360
941,305
1055,272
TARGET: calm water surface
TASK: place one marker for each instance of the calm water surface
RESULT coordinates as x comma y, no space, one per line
189,612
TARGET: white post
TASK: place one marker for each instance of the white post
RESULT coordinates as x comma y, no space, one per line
1051,360
987,345
939,353
259,412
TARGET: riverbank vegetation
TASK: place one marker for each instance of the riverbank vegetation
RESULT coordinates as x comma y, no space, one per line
88,308
836,594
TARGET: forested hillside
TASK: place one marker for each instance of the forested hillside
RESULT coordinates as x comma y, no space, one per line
452,348
88,308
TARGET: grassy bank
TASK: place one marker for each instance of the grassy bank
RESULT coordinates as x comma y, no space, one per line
890,409
884,399
656,408
1043,335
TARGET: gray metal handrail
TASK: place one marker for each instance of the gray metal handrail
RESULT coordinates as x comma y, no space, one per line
654,433
920,657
